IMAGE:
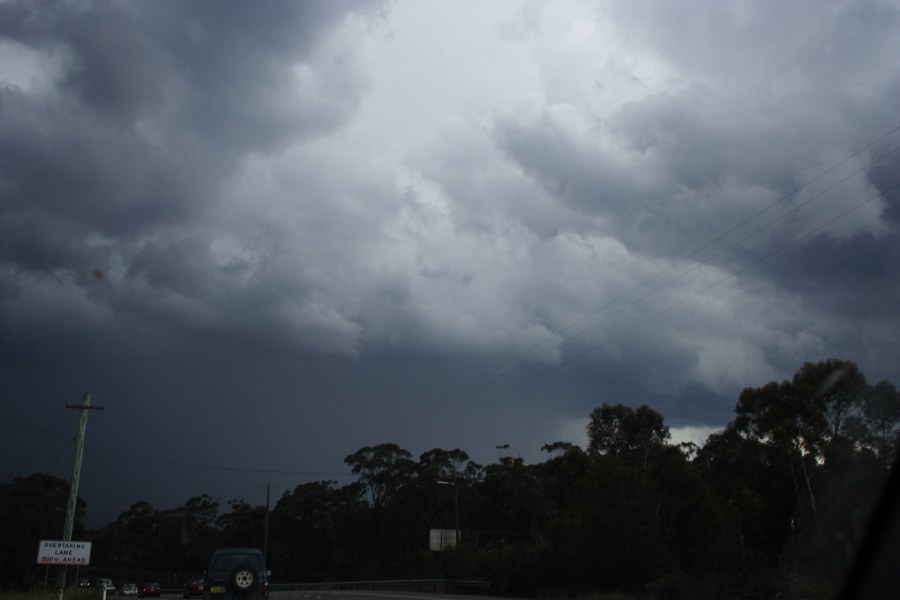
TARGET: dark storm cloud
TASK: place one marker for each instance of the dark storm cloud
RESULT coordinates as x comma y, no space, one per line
752,108
155,101
304,226
846,275
222,70
884,178
88,172
568,164
666,173
108,168
759,99
678,163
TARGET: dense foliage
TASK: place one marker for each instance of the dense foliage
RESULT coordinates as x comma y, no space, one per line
32,509
775,501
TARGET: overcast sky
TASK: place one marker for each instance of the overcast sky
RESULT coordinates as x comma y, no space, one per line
264,235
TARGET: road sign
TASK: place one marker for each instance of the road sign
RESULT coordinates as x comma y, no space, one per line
441,539
58,552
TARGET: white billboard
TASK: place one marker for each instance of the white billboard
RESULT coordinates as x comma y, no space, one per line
56,552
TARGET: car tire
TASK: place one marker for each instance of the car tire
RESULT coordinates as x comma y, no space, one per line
244,579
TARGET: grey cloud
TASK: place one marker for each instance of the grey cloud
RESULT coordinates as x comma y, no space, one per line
841,281
696,137
568,164
752,111
770,47
681,166
181,266
218,69
884,177
486,189
153,105
86,172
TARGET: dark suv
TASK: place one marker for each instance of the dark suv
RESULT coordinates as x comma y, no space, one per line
237,574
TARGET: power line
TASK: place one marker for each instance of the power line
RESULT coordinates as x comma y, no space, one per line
51,465
114,456
164,462
488,378
801,188
42,441
667,310
740,241
47,434
28,427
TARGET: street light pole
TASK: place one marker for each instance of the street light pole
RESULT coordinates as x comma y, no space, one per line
455,484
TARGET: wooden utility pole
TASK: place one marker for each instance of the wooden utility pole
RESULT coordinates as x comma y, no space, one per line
84,407
266,534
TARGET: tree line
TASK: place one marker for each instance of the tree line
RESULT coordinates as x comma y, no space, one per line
775,503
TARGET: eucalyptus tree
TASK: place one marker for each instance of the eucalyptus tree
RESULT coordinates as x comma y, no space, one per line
387,474
243,525
629,433
316,529
882,417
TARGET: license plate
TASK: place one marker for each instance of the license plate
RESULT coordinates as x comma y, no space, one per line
217,589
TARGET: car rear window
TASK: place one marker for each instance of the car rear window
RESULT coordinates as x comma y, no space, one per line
229,562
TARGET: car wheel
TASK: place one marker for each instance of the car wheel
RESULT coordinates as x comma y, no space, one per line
243,579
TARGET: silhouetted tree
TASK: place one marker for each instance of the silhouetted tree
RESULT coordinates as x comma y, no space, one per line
779,495
631,434
882,418
32,508
243,525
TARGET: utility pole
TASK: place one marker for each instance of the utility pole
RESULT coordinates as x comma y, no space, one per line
455,484
84,407
456,505
266,534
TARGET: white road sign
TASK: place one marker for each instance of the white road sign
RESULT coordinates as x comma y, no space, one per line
441,539
53,552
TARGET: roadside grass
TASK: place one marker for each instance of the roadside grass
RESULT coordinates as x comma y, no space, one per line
52,594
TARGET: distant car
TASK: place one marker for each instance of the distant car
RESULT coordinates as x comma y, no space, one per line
149,589
106,585
194,587
84,583
129,589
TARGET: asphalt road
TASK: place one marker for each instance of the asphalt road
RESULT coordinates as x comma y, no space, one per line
357,595
375,595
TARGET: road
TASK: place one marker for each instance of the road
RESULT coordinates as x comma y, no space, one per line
359,595
374,595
